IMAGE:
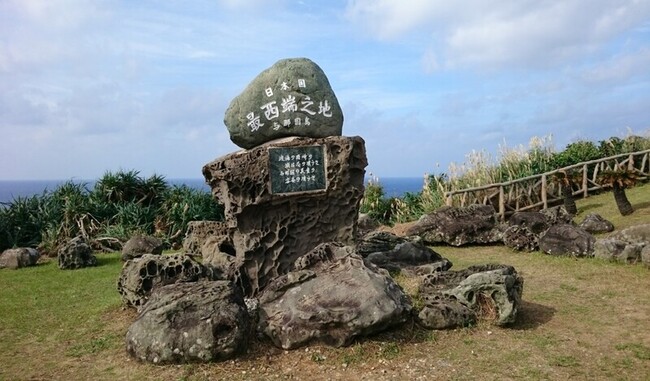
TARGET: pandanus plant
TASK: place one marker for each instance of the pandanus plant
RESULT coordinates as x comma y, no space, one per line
619,180
566,179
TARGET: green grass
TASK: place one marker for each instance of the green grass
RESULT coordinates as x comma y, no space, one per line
58,311
580,319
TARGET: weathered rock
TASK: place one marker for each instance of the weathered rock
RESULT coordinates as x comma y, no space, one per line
625,246
266,231
615,250
459,226
557,215
141,276
594,224
536,222
565,239
198,232
634,234
76,254
458,298
445,312
219,255
330,296
366,224
291,98
521,238
190,322
645,256
378,241
138,245
19,257
393,253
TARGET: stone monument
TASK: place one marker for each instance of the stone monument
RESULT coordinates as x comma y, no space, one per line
297,182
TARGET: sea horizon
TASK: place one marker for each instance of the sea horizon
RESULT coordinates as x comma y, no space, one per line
14,189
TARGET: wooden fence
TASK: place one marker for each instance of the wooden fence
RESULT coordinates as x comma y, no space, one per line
539,191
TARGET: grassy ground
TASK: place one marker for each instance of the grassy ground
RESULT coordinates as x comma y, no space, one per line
581,319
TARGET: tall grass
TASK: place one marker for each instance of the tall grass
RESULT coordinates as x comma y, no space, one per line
120,204
482,168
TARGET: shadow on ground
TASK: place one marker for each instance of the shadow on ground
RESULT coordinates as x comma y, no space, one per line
532,315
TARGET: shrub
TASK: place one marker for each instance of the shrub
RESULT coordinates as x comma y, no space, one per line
120,205
374,203
181,205
575,153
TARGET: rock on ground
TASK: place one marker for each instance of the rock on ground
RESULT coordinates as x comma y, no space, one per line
190,322
626,246
595,224
520,238
141,276
19,257
569,240
198,232
458,298
138,245
76,254
459,226
331,296
393,253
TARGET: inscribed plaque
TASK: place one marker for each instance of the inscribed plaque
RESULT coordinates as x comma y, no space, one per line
297,169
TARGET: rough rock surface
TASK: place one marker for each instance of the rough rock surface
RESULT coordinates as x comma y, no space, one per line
190,322
557,215
291,98
19,257
198,232
536,222
138,245
458,298
520,238
330,296
634,234
565,239
626,246
76,254
645,256
264,232
393,253
141,276
615,250
524,229
366,224
594,224
459,226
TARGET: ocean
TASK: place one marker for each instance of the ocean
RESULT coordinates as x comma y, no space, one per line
12,189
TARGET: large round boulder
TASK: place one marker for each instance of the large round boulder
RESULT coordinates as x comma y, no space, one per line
566,239
291,98
190,322
330,296
19,257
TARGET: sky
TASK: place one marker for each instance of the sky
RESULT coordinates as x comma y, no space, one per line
93,86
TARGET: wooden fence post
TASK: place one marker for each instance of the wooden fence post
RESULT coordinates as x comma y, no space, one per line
502,204
544,195
585,184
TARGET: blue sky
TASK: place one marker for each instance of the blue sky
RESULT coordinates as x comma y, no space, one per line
91,86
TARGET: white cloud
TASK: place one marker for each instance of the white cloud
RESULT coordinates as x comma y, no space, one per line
501,33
